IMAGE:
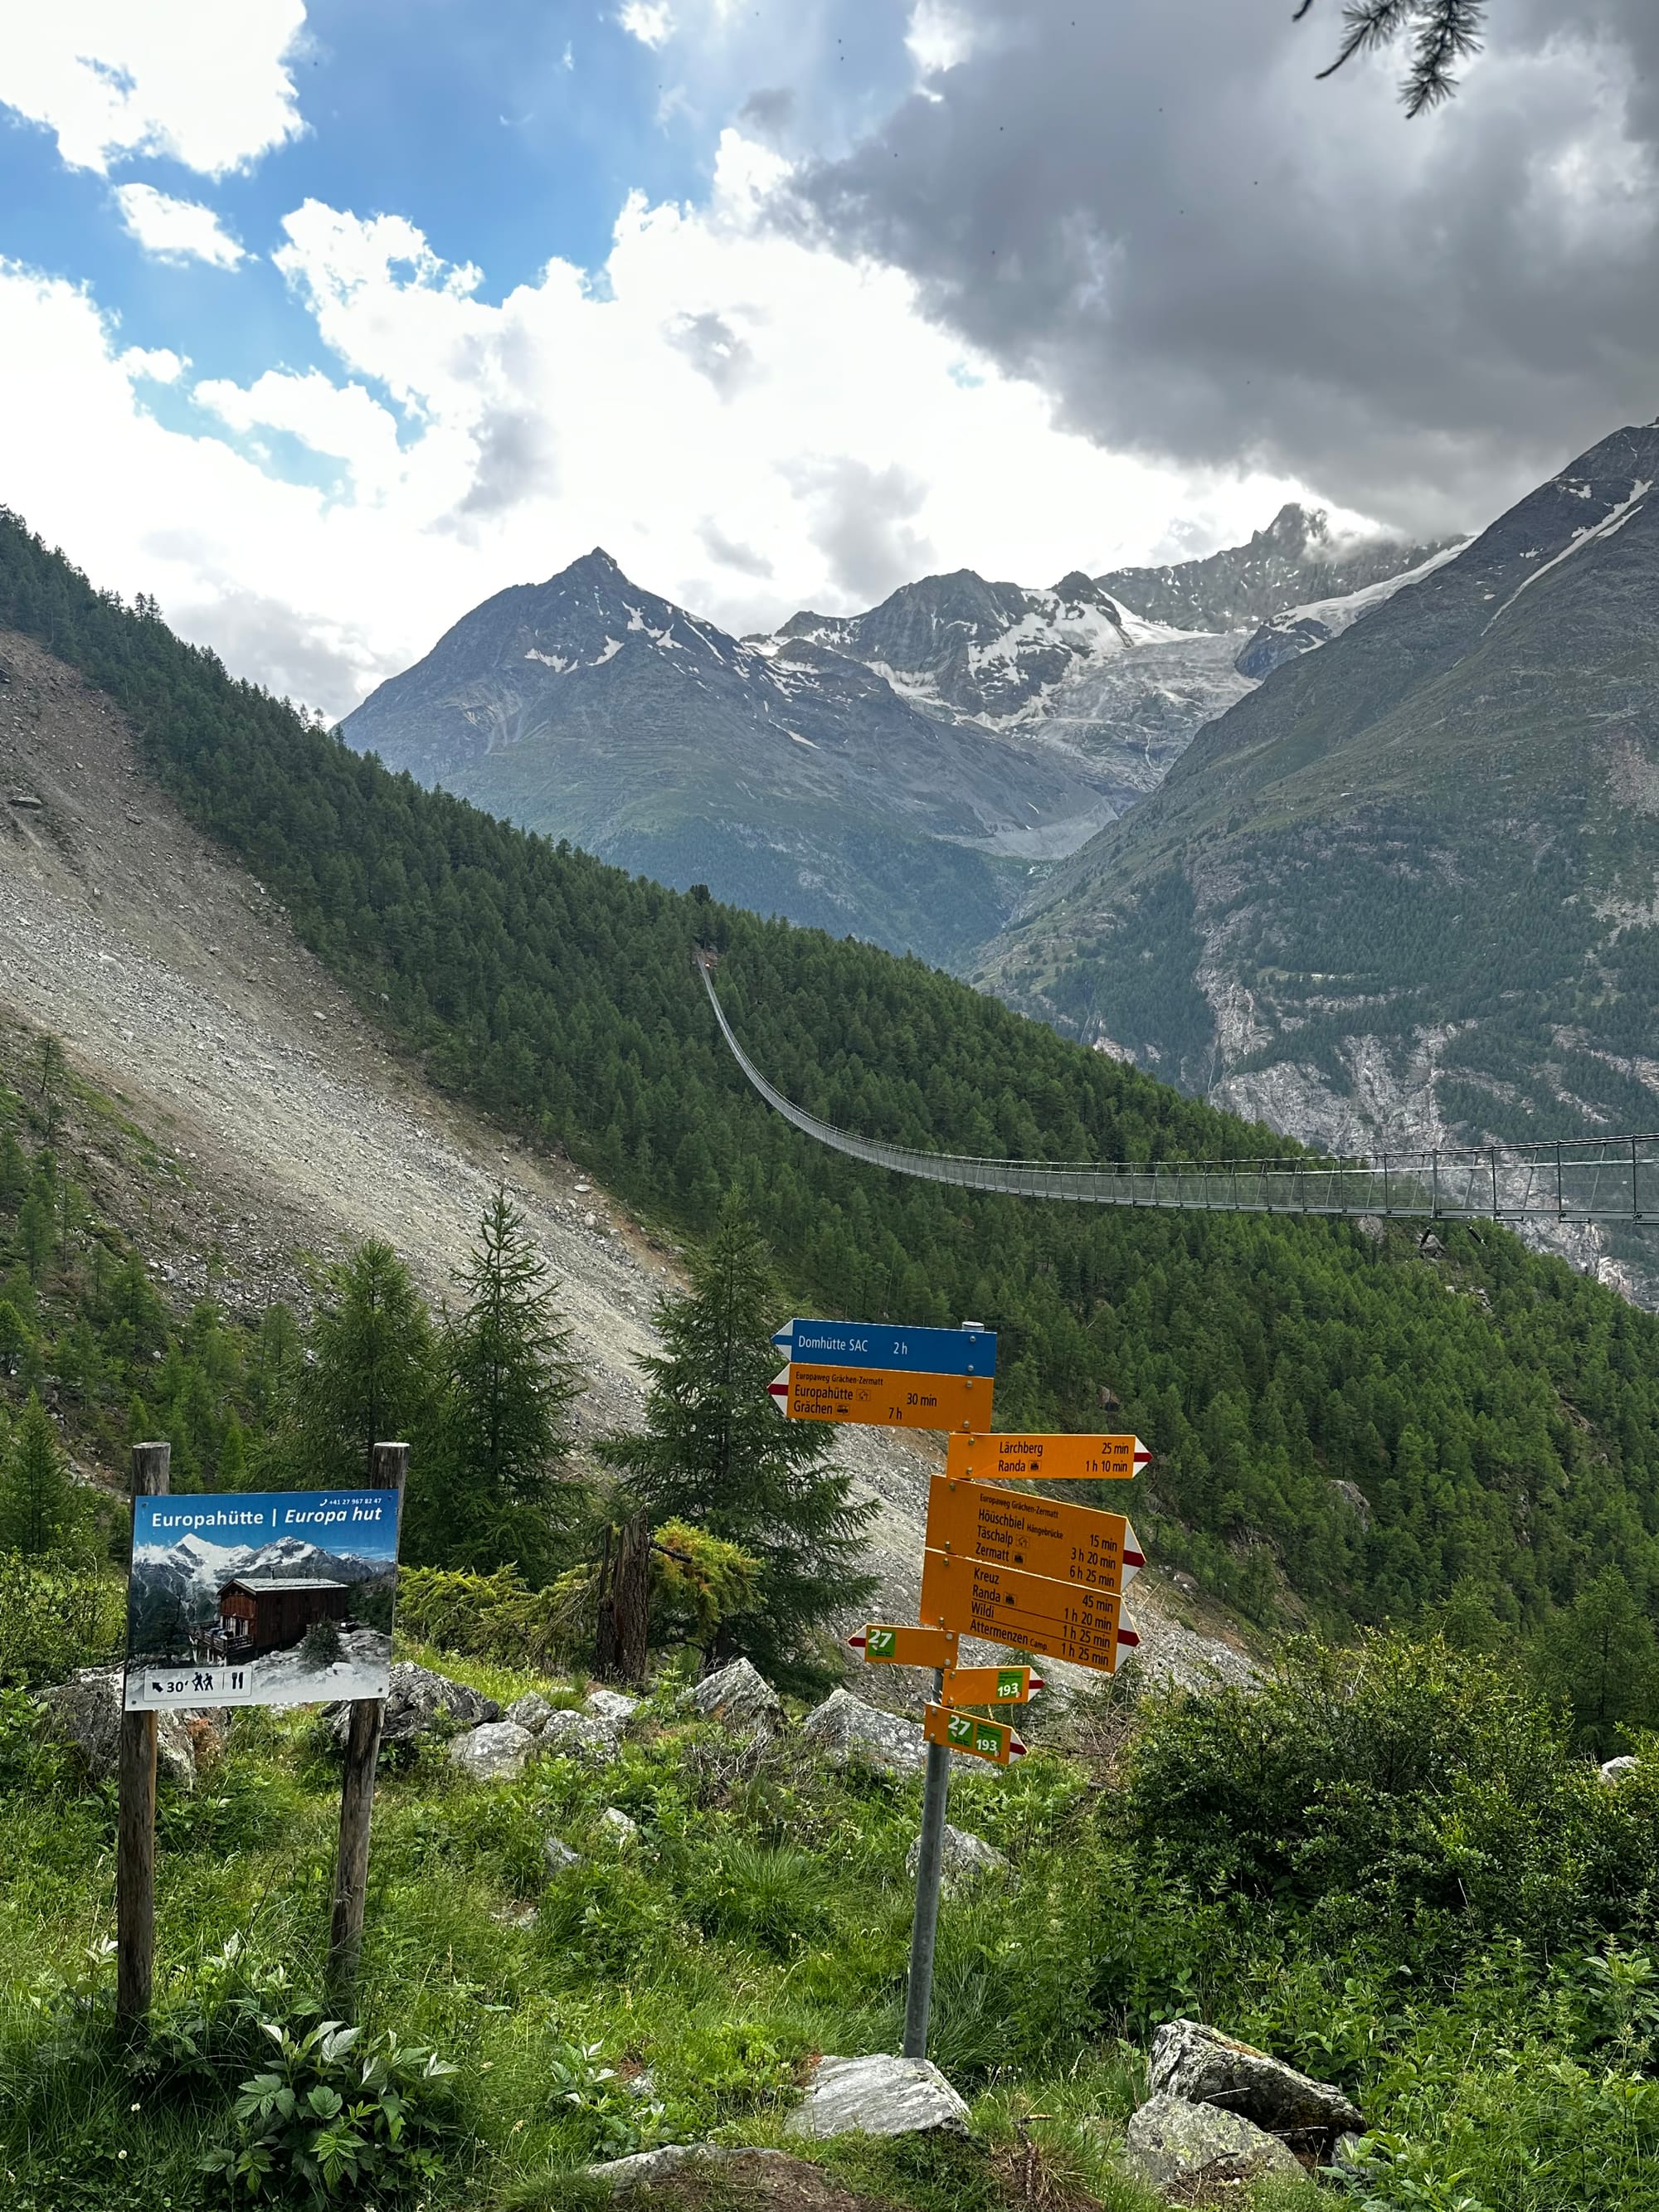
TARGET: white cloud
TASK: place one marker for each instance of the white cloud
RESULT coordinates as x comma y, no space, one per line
748,424
160,364
176,230
204,82
650,21
939,36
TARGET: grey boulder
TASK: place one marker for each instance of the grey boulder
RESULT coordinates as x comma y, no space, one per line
739,1697
844,1728
559,1856
420,1702
531,1712
966,1858
877,2096
1202,2066
568,1732
1173,2147
496,1752
651,2165
622,1827
86,1712
614,1707
1615,1770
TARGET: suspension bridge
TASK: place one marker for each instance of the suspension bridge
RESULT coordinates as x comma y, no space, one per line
1566,1179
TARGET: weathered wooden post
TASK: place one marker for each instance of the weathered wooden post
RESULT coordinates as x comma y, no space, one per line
389,1469
135,1850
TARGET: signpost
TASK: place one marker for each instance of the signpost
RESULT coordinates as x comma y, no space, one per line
966,1732
1047,1459
1003,1565
1010,1528
1062,1621
990,1686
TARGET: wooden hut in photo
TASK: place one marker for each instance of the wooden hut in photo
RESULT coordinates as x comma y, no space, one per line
257,1616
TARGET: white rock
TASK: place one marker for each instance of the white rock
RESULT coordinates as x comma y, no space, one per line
496,1752
844,1728
614,1707
879,2095
621,1826
559,1856
738,1696
530,1711
966,1858
1174,2147
1615,1770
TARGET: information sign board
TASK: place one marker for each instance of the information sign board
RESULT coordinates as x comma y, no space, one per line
260,1598
1048,1458
890,1399
892,1643
990,1686
875,1344
1013,1528
966,1732
1006,1605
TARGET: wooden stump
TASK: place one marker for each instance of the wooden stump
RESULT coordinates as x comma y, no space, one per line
135,1846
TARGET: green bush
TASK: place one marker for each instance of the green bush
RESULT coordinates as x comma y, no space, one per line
495,1616
56,1616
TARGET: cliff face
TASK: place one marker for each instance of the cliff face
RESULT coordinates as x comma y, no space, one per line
1403,893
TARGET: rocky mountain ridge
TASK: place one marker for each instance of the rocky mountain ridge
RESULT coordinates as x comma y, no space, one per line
899,773
1401,895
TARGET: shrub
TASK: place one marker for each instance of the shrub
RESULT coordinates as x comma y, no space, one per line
322,1645
331,2120
495,1616
56,1616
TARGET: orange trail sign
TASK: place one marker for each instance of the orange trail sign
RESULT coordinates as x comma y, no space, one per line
966,1732
1004,1605
886,1397
1012,1529
1047,1458
990,1686
891,1643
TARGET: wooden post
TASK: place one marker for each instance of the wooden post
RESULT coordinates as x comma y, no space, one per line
389,1469
135,1850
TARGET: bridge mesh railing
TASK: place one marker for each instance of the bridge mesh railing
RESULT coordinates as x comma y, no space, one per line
1586,1179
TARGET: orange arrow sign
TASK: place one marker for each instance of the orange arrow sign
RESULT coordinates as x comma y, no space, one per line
990,1686
1047,1459
967,1732
888,1398
1012,1529
887,1643
1005,1605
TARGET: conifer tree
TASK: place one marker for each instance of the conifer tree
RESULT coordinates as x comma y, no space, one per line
373,1358
714,1453
491,1493
38,1504
1604,1659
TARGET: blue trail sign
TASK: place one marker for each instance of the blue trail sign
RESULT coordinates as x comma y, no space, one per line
872,1344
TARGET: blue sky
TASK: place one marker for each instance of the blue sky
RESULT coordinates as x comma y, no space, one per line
324,320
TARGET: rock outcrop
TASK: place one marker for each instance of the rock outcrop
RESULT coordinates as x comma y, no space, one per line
86,1712
967,1857
739,1697
843,1727
420,1702
1202,2066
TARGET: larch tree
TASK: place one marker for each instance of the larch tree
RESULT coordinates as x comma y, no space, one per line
714,1453
38,1509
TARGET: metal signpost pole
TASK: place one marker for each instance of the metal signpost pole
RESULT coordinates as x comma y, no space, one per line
930,1868
345,1935
135,1849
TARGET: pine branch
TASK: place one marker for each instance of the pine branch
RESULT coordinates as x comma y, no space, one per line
1443,33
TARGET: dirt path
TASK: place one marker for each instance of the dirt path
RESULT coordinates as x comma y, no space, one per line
178,988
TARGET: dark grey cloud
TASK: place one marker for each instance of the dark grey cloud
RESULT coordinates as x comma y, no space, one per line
1202,253
770,110
861,521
